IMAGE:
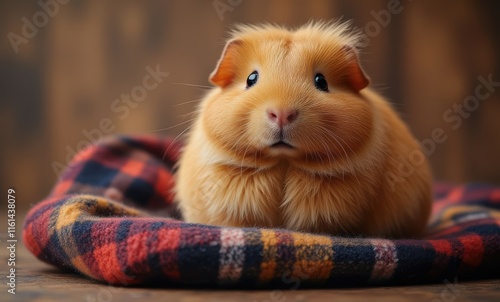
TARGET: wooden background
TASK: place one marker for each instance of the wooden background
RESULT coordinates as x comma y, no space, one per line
63,80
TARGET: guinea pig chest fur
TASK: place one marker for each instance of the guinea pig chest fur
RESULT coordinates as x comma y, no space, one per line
291,137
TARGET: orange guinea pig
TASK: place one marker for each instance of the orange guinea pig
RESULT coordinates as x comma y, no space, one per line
291,137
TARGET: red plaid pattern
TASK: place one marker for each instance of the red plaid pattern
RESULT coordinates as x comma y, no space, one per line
133,242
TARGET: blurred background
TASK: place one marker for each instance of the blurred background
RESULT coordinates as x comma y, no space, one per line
67,65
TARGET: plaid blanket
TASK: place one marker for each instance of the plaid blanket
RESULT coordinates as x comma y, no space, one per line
141,240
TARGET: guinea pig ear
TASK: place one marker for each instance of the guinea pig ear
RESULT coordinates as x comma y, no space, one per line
356,77
224,72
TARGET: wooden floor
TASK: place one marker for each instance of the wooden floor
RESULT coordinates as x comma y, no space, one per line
37,281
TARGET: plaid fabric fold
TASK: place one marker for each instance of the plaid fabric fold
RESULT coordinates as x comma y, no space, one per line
142,240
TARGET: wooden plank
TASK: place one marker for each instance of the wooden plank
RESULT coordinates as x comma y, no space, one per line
425,60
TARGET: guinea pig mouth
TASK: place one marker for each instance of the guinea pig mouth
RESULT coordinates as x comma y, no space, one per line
282,144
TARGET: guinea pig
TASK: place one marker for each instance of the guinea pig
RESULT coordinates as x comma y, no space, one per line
292,137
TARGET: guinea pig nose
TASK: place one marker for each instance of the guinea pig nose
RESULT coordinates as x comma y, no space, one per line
282,117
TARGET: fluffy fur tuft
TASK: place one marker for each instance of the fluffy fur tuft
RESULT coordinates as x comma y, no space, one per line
341,31
340,173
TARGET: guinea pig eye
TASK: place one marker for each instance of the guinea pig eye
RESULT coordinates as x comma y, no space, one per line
320,82
252,79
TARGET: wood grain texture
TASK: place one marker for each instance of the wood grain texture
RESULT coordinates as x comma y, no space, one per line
64,80
40,282
425,59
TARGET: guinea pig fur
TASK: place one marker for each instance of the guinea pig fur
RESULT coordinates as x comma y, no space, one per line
291,137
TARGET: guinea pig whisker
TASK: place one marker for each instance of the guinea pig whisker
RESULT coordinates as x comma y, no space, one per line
315,153
330,155
242,160
316,137
352,152
235,145
346,144
188,102
333,136
336,140
173,141
182,123
193,85
379,86
189,113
